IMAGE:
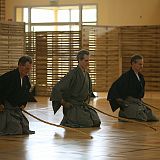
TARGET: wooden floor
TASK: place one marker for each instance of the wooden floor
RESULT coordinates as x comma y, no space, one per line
112,141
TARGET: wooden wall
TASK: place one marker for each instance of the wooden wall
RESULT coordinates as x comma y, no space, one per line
110,47
12,45
2,10
105,64
144,40
54,54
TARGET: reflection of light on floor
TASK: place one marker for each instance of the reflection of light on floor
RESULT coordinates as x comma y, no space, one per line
114,140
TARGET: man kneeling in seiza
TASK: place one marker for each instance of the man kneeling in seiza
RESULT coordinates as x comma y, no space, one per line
73,92
126,93
14,93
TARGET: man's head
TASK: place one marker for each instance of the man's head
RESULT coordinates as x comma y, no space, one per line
137,63
24,65
83,59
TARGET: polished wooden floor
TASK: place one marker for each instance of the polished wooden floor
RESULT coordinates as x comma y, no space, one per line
112,141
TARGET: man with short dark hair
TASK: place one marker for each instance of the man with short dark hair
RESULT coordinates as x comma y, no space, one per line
73,92
14,92
128,90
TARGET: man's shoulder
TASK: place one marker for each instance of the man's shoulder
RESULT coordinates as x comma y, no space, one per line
74,70
70,73
126,73
9,73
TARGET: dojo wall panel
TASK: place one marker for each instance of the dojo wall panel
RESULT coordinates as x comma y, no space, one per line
12,45
54,55
144,40
103,44
2,10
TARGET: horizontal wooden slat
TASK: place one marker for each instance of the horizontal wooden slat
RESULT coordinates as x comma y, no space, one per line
2,10
11,45
54,55
144,40
104,43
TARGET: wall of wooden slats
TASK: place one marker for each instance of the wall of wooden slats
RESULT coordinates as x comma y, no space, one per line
113,47
110,47
54,55
30,49
103,44
144,40
2,10
12,45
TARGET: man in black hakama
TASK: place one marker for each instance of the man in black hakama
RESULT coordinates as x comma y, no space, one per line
14,92
128,90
